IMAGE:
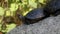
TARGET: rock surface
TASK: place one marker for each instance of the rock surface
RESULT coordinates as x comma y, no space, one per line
49,25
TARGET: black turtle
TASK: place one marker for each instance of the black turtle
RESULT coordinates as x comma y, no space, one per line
35,15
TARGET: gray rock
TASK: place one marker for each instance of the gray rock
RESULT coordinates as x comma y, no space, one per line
49,25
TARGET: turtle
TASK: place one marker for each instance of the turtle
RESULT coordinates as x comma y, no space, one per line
38,14
35,15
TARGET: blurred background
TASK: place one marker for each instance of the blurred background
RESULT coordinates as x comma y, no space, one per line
9,10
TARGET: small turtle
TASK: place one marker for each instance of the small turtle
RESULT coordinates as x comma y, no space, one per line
35,15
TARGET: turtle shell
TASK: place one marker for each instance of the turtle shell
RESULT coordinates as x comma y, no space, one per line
34,16
35,13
